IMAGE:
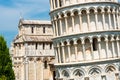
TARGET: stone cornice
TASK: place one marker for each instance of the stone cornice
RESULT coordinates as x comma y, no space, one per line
84,5
85,63
84,35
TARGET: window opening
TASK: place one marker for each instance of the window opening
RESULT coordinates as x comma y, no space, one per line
45,64
50,46
43,46
56,5
65,74
94,44
19,46
43,29
60,3
36,46
54,75
32,30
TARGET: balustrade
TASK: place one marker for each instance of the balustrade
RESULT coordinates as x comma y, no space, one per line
86,24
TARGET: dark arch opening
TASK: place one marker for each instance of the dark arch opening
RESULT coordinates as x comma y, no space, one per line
95,44
45,64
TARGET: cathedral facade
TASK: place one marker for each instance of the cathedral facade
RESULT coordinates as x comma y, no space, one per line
32,51
87,39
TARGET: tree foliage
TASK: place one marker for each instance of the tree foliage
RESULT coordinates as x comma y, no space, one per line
6,71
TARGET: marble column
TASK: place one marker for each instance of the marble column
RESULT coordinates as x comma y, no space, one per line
83,48
66,24
119,19
76,53
118,46
54,4
96,19
106,40
63,2
114,19
88,20
56,25
69,52
58,48
72,15
51,4
56,55
61,32
118,22
54,28
113,48
99,47
63,52
103,18
91,44
109,17
80,22
58,3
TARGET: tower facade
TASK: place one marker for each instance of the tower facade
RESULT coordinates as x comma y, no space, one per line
32,51
86,39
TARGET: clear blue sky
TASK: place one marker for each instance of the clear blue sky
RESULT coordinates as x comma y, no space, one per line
11,10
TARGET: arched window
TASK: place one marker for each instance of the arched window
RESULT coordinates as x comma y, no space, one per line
65,74
110,69
94,71
78,73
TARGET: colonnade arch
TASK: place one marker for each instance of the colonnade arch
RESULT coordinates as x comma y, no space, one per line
88,48
93,19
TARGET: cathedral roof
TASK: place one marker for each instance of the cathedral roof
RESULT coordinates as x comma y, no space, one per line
35,22
35,38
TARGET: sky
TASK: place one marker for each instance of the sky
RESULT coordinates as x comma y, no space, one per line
12,10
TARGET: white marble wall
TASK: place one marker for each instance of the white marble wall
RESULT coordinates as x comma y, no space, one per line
37,30
55,4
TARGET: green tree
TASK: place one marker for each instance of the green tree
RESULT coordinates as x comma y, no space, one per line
6,71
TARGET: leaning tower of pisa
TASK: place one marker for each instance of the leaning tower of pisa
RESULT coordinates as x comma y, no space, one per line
86,39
